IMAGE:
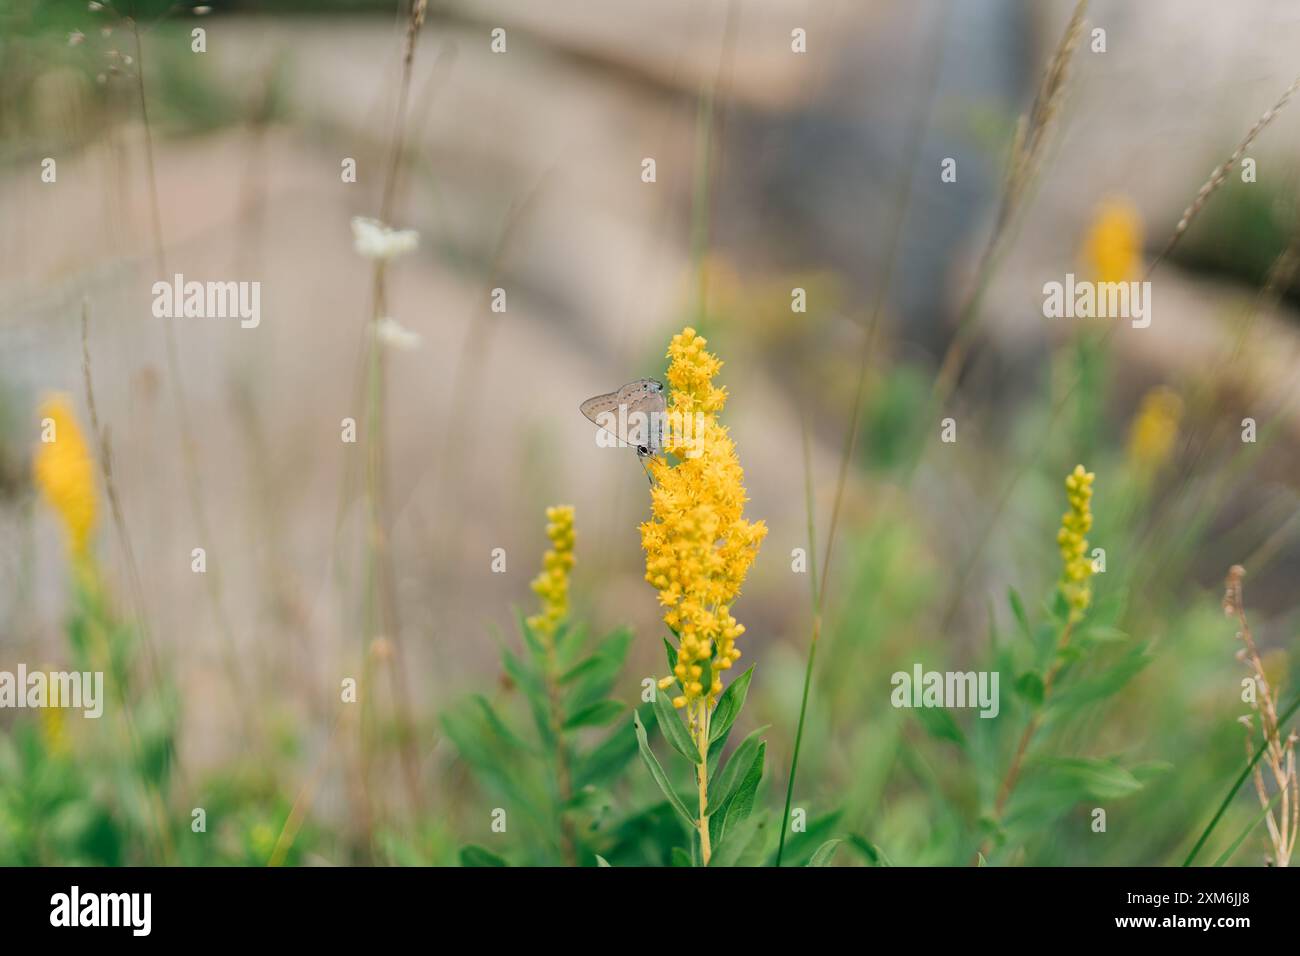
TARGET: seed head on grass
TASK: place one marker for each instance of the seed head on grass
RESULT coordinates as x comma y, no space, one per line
1282,809
698,545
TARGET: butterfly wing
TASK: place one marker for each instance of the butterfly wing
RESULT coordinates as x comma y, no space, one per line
644,396
653,406
593,408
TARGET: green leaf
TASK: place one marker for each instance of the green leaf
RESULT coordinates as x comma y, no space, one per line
531,639
941,725
1102,634
657,771
729,705
870,852
598,680
747,844
1018,610
722,786
1030,686
581,669
799,847
1058,607
674,730
741,804
473,855
681,858
498,725
595,715
825,853
1096,777
1103,685
601,861
672,655
607,761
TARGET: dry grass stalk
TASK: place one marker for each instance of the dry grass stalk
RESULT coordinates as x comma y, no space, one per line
1279,754
383,625
1026,156
1031,134
1220,174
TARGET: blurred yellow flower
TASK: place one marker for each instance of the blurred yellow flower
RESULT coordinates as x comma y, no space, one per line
1075,524
1113,247
64,471
698,545
552,585
54,731
1154,429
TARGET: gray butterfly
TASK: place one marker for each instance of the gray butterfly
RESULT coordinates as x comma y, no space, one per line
634,415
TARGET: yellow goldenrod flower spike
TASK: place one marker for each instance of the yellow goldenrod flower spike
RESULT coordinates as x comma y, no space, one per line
552,585
1113,247
697,542
1154,429
64,471
1075,525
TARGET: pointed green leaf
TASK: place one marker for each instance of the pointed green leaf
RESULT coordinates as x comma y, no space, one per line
1030,686
723,786
1018,610
606,761
825,853
741,804
657,771
581,669
674,730
594,715
473,855
1096,777
746,844
941,725
598,680
729,705
498,725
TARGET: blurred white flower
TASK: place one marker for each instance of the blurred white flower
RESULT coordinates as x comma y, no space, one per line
393,334
76,38
374,240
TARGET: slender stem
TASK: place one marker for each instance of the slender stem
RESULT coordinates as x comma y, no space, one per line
563,775
912,161
816,632
702,777
189,452
1013,770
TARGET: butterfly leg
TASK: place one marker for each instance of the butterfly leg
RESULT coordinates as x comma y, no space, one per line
642,453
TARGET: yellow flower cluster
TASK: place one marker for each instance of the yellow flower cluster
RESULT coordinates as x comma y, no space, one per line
1075,525
1151,436
1113,247
698,545
64,471
552,585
